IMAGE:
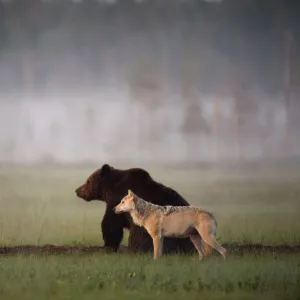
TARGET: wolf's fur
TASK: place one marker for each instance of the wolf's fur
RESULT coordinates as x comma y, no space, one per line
172,221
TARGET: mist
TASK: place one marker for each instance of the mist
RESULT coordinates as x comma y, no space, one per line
167,82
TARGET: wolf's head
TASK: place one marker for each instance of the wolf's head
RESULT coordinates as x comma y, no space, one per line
127,204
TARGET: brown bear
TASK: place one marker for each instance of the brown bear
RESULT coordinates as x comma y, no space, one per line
111,185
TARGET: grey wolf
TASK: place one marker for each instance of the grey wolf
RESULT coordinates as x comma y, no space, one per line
171,221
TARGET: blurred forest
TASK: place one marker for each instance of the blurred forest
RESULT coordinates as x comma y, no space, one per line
153,52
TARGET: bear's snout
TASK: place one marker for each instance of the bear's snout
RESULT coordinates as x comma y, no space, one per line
77,191
84,193
80,192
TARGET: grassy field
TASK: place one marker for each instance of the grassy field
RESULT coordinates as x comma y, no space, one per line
38,206
138,277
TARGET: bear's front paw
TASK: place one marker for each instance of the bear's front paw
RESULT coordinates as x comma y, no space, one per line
110,249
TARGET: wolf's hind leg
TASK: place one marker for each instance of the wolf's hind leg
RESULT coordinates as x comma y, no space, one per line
196,240
206,249
209,237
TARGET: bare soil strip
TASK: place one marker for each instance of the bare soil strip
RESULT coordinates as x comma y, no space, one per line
84,249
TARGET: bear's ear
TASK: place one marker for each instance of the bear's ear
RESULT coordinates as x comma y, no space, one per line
105,170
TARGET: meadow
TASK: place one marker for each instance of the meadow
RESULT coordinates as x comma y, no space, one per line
258,206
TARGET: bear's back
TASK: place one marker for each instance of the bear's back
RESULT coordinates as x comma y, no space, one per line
141,183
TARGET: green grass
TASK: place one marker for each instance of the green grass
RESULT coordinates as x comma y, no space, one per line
38,205
138,277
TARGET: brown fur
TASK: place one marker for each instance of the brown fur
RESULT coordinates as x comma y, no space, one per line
171,221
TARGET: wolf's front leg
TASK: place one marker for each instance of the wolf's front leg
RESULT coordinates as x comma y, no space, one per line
157,246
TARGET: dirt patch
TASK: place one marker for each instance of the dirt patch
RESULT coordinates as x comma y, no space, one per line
260,248
52,249
84,249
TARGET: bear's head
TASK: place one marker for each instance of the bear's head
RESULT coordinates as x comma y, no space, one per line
93,188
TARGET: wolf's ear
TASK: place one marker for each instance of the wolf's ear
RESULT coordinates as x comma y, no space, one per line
132,194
